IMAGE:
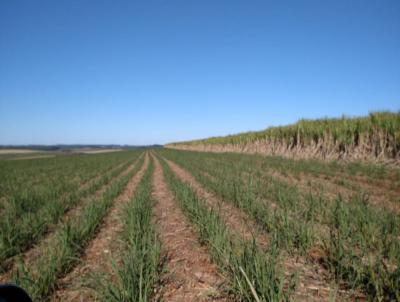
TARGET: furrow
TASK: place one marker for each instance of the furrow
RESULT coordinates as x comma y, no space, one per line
313,283
95,257
235,219
40,276
33,253
190,274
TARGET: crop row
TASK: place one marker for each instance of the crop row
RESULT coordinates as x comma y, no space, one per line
347,130
359,243
30,177
20,228
40,277
254,273
133,277
373,136
251,273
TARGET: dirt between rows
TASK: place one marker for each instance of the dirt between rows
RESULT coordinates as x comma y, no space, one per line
190,275
313,284
96,256
34,253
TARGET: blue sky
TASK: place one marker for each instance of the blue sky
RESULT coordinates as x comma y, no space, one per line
143,72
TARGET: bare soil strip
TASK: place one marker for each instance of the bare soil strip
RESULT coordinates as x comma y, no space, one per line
190,274
34,253
97,254
19,151
313,284
97,151
32,157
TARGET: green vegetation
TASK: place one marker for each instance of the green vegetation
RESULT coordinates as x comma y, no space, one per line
252,272
377,135
28,212
136,273
351,240
358,240
40,278
36,176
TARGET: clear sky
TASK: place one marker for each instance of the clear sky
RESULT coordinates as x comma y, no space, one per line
143,72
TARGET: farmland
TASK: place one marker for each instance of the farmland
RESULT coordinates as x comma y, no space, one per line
373,138
174,225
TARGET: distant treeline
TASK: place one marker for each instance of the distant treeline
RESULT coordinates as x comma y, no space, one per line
74,147
373,137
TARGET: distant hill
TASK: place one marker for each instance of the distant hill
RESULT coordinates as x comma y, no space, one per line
66,147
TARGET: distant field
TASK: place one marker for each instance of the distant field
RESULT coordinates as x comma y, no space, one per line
170,225
96,151
18,151
20,154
